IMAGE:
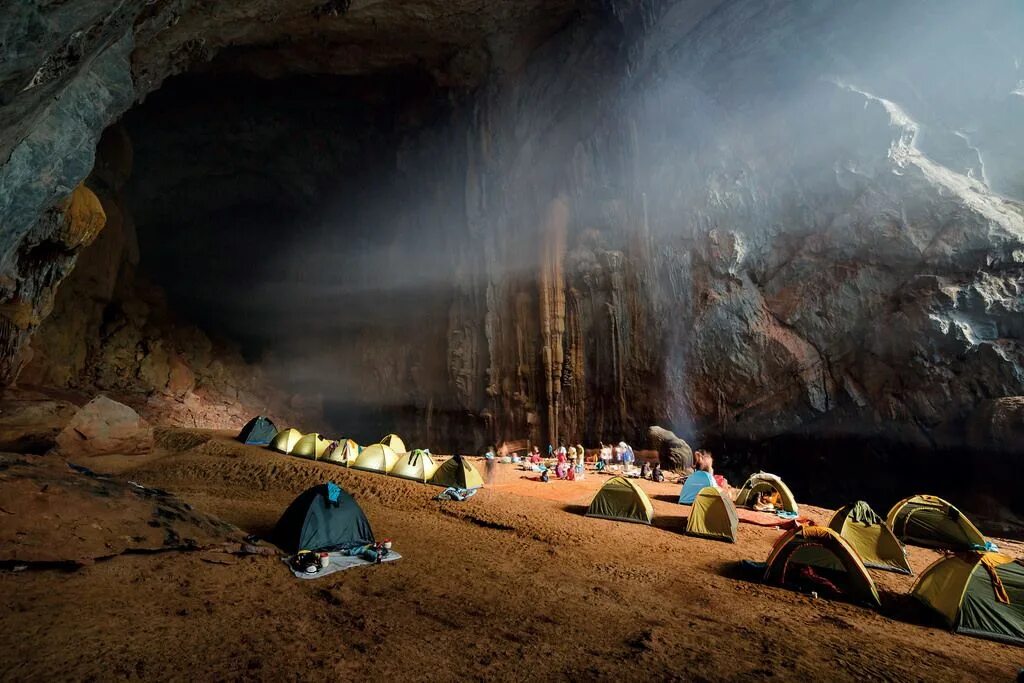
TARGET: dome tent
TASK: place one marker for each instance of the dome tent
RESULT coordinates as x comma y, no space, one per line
311,446
693,485
375,458
345,453
285,440
459,473
259,431
763,482
713,516
978,594
417,465
816,550
623,500
874,542
394,442
324,517
931,522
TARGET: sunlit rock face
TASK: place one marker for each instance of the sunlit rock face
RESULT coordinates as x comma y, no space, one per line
751,222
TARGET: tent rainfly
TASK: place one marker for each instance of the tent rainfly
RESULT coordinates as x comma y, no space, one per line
623,500
285,440
930,522
376,458
310,446
417,465
712,516
978,594
693,485
259,431
874,542
324,517
815,557
459,473
394,442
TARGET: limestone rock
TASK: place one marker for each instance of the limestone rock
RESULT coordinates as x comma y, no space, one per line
105,426
673,453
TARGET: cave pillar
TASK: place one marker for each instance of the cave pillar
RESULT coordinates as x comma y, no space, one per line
552,306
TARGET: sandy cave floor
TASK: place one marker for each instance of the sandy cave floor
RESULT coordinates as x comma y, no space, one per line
513,584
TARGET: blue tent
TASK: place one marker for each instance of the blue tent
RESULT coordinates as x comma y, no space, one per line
692,486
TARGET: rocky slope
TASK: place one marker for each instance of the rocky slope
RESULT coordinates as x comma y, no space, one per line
743,220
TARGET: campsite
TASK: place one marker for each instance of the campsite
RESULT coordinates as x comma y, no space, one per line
516,582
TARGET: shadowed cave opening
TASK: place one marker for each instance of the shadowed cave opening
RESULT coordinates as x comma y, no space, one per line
289,216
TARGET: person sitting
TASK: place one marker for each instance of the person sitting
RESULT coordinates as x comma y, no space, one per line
535,456
656,473
544,477
600,466
703,461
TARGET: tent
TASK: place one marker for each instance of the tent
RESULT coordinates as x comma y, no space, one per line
394,442
874,542
457,472
418,466
622,499
765,483
259,431
693,485
931,522
324,517
812,556
978,594
311,446
345,453
713,516
375,458
285,440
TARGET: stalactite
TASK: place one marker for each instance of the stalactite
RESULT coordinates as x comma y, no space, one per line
552,305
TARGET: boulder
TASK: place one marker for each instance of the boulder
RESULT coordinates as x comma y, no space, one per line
673,452
105,426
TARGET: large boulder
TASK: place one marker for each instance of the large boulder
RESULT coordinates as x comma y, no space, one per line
105,426
673,452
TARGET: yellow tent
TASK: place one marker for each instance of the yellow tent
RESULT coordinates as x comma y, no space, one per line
459,473
394,442
825,553
765,483
623,500
417,465
870,537
712,516
311,446
979,594
285,440
931,522
376,458
345,453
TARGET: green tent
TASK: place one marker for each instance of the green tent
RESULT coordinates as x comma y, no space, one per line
459,473
978,594
324,517
930,522
766,484
258,431
622,500
874,542
803,556
712,516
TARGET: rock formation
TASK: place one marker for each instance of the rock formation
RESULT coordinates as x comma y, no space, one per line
746,220
104,426
673,452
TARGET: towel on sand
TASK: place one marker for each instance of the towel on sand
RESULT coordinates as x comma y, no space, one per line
339,563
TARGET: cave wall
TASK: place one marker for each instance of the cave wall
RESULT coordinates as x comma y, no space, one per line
739,219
